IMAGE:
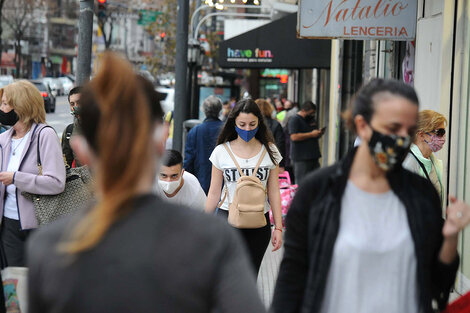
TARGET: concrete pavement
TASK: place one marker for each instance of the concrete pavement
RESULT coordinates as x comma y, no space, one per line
267,275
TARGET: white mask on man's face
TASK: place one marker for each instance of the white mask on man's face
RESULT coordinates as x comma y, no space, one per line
169,187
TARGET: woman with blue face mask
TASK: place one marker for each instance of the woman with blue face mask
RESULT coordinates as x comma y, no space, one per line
246,139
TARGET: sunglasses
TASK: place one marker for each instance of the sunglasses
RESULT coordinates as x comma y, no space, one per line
440,132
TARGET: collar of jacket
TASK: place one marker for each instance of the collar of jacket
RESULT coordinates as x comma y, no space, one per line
341,175
211,119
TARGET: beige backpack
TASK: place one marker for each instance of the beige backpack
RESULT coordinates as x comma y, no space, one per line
247,207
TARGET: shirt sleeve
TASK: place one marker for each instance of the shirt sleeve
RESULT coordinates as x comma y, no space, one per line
215,156
277,155
293,126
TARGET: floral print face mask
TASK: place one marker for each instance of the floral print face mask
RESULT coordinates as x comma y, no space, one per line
388,151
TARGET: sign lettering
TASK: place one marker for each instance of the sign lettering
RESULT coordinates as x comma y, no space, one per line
358,19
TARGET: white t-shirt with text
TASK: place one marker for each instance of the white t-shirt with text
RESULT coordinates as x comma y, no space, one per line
222,161
191,193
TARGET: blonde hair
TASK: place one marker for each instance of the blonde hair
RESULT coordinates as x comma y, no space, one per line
266,108
429,120
26,100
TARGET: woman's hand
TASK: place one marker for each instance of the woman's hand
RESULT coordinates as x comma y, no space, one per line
458,217
6,178
276,239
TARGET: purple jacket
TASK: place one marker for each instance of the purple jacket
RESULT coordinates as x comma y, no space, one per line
52,180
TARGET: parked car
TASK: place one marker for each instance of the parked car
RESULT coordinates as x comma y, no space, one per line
46,93
55,84
168,104
67,83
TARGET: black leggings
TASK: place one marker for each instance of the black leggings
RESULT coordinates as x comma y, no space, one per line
13,241
256,239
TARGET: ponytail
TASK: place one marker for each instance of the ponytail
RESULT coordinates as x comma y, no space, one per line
116,123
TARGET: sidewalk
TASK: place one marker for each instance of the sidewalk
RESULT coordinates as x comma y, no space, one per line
268,274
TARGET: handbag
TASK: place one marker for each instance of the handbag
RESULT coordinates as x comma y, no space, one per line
76,194
461,305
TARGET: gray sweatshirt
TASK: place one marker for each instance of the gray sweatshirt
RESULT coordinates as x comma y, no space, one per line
158,258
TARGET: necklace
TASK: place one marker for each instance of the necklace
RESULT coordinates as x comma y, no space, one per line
19,144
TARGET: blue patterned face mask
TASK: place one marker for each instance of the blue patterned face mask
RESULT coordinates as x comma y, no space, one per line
246,135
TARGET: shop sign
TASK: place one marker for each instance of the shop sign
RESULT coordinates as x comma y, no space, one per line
357,19
256,55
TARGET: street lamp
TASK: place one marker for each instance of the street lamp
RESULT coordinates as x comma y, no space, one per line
195,58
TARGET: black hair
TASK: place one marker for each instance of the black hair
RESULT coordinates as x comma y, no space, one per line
90,113
363,102
172,158
308,105
153,97
263,134
73,91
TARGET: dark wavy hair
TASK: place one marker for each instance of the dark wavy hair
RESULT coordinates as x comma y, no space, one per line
264,135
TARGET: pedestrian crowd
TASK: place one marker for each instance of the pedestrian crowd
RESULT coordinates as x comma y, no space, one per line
170,232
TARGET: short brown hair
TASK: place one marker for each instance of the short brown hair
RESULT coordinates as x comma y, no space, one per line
429,120
265,107
26,100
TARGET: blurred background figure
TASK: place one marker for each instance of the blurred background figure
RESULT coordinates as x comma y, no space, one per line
177,185
275,128
128,252
304,146
201,141
74,102
22,107
430,138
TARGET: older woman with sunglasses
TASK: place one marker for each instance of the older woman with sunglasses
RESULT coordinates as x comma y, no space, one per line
430,138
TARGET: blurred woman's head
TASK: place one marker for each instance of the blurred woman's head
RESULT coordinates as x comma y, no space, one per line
24,99
384,114
120,121
265,107
431,130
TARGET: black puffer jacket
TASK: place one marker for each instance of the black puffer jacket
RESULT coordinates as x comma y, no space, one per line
312,227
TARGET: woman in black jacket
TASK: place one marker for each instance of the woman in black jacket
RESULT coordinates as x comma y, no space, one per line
365,235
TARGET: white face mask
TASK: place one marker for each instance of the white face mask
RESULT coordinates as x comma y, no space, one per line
169,187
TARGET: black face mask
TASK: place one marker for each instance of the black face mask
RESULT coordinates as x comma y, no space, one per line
310,118
388,151
8,119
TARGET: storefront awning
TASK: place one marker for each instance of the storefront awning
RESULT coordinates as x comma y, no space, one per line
274,45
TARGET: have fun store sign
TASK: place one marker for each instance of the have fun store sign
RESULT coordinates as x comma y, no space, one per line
357,19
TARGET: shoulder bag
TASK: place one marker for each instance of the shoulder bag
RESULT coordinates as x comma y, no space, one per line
76,194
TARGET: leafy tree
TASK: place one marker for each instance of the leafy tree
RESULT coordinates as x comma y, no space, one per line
20,16
164,31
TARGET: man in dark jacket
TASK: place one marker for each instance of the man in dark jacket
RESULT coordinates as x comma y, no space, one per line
74,101
201,142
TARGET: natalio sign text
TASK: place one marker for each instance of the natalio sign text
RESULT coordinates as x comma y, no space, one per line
249,55
358,19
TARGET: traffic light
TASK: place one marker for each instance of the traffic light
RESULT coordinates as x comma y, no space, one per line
102,5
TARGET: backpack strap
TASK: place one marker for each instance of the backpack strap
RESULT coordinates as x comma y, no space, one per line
259,161
233,159
421,165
